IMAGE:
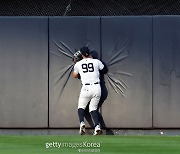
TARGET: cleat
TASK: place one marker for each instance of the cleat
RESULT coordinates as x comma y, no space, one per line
97,130
82,128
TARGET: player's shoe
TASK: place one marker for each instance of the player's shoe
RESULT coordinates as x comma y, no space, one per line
82,128
97,130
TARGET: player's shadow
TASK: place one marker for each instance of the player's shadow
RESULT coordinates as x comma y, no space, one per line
104,94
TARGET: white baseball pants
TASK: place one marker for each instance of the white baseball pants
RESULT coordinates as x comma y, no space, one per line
89,93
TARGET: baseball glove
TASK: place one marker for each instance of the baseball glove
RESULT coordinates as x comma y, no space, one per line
77,56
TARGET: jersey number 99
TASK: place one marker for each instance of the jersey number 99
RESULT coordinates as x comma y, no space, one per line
88,67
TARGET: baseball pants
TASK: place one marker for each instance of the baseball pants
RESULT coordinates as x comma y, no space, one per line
89,93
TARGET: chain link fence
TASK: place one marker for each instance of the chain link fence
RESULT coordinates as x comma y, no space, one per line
89,7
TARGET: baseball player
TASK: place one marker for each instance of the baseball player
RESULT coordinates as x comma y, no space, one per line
88,70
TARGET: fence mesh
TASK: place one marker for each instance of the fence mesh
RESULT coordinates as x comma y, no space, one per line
89,7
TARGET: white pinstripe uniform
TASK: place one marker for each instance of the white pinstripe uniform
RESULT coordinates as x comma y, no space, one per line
88,69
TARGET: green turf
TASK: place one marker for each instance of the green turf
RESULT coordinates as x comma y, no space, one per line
93,144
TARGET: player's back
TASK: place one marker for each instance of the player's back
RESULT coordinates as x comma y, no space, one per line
89,70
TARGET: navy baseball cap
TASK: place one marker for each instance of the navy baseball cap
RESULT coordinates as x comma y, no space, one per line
85,51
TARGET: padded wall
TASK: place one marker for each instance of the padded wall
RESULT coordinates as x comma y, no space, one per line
127,51
129,46
23,72
166,74
66,35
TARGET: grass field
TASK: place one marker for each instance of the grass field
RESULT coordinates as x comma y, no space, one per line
89,144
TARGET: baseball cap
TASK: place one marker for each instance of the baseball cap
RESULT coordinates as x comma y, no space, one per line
85,51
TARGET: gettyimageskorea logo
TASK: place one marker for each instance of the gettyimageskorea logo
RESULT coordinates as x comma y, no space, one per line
84,144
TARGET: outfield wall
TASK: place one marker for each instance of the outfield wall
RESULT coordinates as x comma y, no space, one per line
140,90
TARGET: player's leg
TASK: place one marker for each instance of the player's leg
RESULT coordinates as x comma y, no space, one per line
93,105
95,116
94,112
81,108
82,103
81,114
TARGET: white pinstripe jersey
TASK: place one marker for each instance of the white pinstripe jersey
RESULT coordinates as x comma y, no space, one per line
88,69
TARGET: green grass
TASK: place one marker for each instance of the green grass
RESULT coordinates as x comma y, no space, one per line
100,144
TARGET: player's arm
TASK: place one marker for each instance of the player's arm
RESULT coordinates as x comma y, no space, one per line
102,68
75,73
